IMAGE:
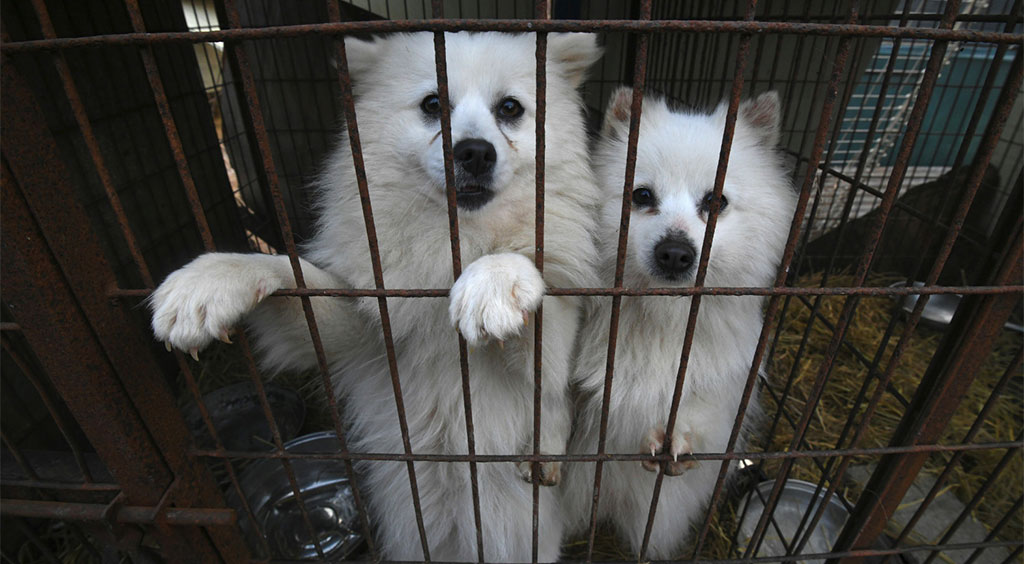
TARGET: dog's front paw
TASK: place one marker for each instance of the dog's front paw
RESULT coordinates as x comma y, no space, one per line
206,298
494,297
550,472
682,443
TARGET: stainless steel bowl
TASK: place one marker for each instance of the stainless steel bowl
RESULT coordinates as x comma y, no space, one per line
796,498
238,417
940,308
325,491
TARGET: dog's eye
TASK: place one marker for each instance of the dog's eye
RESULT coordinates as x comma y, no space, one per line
705,204
643,196
431,105
510,108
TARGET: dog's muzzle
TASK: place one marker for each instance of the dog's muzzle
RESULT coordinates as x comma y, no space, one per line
674,257
475,160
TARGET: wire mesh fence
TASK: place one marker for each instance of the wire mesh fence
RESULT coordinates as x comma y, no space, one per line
141,134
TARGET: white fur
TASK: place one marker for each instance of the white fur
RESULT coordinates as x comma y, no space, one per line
404,165
677,157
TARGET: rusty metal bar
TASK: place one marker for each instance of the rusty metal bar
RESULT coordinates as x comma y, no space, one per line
91,143
51,408
524,25
977,347
441,69
815,308
355,144
627,457
635,109
12,447
67,511
114,200
1004,106
914,123
767,559
170,128
870,291
831,93
114,390
1009,457
1011,372
540,12
996,530
67,486
742,53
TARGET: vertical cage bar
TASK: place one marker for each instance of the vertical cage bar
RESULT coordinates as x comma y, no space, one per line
51,408
441,64
170,128
540,12
123,362
636,106
91,142
709,232
831,93
846,315
1007,97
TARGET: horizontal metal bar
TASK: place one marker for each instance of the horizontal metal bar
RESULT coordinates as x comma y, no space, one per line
66,486
626,457
785,558
688,291
204,517
382,26
8,326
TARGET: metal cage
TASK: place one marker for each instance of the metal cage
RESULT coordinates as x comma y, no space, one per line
139,134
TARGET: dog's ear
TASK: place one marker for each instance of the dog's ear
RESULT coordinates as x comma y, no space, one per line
574,53
361,54
763,115
616,115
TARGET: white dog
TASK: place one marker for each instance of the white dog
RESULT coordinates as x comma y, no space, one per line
677,158
493,99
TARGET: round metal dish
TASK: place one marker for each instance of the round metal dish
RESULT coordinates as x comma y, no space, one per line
939,310
796,498
326,494
239,420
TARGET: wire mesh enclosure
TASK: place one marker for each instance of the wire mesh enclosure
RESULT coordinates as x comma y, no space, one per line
138,135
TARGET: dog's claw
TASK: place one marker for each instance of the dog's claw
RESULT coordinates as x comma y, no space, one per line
195,354
167,345
526,317
501,345
223,336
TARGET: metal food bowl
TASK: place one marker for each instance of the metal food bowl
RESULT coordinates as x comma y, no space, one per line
796,498
238,416
326,494
939,310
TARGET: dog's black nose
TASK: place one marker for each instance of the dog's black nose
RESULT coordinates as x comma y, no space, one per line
675,256
475,156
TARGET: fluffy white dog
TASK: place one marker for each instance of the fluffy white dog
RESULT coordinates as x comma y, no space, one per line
493,97
677,158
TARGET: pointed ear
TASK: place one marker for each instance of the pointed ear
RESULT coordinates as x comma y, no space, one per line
763,115
361,55
573,53
616,115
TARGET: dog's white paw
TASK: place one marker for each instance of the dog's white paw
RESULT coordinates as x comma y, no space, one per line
494,297
682,443
206,298
550,472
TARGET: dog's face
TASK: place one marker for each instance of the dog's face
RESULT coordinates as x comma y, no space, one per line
677,158
493,100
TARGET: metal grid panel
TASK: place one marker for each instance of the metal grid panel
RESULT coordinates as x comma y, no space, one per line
993,297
